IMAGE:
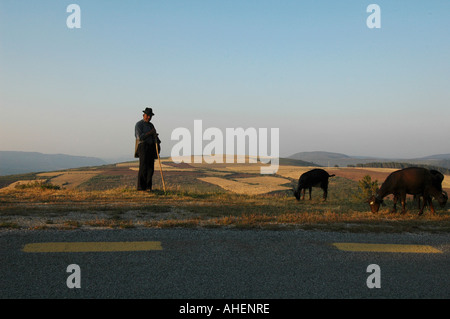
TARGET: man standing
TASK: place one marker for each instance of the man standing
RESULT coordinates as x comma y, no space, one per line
147,138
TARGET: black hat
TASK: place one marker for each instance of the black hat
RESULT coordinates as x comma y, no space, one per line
148,111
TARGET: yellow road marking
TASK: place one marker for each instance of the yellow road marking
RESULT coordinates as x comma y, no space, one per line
91,247
387,248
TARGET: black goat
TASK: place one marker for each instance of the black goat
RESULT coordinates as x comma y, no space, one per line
313,178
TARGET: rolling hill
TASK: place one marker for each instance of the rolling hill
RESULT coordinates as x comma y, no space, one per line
330,159
240,178
26,162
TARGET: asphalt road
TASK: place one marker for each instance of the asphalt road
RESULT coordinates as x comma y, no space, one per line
224,264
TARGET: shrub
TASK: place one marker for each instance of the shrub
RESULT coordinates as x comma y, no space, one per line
41,185
367,187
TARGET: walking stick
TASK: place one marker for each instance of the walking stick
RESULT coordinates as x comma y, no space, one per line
160,168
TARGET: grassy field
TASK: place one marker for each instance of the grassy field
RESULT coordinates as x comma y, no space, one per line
201,195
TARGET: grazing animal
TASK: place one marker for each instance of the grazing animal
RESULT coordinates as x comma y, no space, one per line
414,181
313,178
438,177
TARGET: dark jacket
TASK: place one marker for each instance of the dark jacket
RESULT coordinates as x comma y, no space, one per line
140,132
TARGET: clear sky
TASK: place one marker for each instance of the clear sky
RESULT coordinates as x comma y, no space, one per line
311,68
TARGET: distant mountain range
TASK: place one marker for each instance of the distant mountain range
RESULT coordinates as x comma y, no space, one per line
26,162
342,160
12,162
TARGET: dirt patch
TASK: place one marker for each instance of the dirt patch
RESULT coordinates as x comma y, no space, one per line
357,174
165,168
294,172
180,165
122,171
354,174
72,179
249,186
24,183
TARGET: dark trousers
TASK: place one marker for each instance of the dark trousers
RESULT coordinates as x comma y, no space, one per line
147,154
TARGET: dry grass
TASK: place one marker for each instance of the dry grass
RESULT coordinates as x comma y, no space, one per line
203,195
127,208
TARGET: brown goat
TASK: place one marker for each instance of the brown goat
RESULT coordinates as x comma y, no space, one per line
414,181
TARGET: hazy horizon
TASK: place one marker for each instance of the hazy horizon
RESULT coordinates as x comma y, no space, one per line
128,157
315,70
